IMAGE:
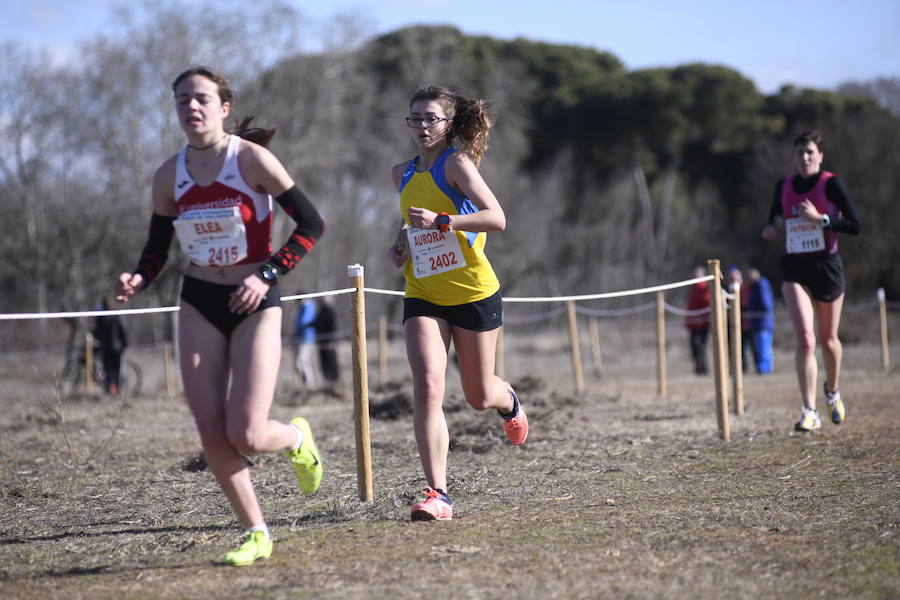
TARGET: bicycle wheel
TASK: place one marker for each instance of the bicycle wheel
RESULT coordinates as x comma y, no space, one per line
131,378
72,377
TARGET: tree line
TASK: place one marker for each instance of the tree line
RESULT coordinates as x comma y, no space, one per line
611,178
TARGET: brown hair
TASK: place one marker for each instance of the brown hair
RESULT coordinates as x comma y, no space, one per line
809,136
470,121
257,135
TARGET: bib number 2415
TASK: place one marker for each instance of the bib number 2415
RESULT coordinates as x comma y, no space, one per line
223,255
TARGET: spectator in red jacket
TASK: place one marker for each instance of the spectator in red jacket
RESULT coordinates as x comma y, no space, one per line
697,320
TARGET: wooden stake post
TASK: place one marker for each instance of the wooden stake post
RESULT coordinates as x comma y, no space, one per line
575,345
360,383
382,348
885,349
168,369
720,355
661,344
596,357
737,351
89,362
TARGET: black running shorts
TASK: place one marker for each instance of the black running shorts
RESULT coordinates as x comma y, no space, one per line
211,301
482,315
821,274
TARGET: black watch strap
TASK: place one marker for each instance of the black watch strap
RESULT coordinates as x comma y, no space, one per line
269,274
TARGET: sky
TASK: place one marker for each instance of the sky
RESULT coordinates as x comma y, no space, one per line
819,43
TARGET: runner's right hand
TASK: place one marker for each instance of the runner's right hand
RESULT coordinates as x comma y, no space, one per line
399,252
128,285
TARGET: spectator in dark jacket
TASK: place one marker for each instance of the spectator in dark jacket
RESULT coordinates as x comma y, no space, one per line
111,336
326,328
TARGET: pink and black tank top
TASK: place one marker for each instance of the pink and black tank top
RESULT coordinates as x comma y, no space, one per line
803,237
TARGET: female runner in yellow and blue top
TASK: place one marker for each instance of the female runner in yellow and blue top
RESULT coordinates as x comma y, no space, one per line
452,292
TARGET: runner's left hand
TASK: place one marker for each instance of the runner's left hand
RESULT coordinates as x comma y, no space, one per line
807,211
249,294
421,218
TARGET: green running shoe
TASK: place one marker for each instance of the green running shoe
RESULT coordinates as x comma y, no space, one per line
256,545
306,460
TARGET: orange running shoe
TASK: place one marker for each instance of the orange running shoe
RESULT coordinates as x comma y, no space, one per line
435,507
516,427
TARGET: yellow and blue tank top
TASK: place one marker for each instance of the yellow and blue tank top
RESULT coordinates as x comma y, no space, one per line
476,279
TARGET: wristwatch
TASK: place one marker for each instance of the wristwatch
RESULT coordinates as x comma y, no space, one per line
825,221
269,274
442,221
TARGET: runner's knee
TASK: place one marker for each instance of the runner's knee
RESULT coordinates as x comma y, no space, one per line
212,433
831,344
480,396
247,439
429,389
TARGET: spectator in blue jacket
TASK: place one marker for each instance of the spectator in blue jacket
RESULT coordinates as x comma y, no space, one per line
761,317
305,337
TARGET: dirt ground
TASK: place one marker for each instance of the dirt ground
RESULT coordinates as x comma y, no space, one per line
617,494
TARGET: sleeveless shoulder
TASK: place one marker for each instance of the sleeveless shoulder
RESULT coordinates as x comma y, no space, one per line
231,171
167,173
408,172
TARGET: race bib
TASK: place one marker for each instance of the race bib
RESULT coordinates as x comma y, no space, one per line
434,251
212,237
803,236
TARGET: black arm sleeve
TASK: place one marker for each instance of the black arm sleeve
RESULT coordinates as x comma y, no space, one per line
775,210
156,251
836,191
309,229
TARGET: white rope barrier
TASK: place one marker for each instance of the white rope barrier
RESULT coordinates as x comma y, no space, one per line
145,311
88,313
681,312
751,314
647,290
614,312
508,320
512,320
385,292
319,294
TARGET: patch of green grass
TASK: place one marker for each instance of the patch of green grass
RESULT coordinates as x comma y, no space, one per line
879,561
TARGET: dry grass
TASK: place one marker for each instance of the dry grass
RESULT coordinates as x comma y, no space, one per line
616,494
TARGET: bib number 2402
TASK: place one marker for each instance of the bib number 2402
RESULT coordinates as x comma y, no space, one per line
443,260
434,252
